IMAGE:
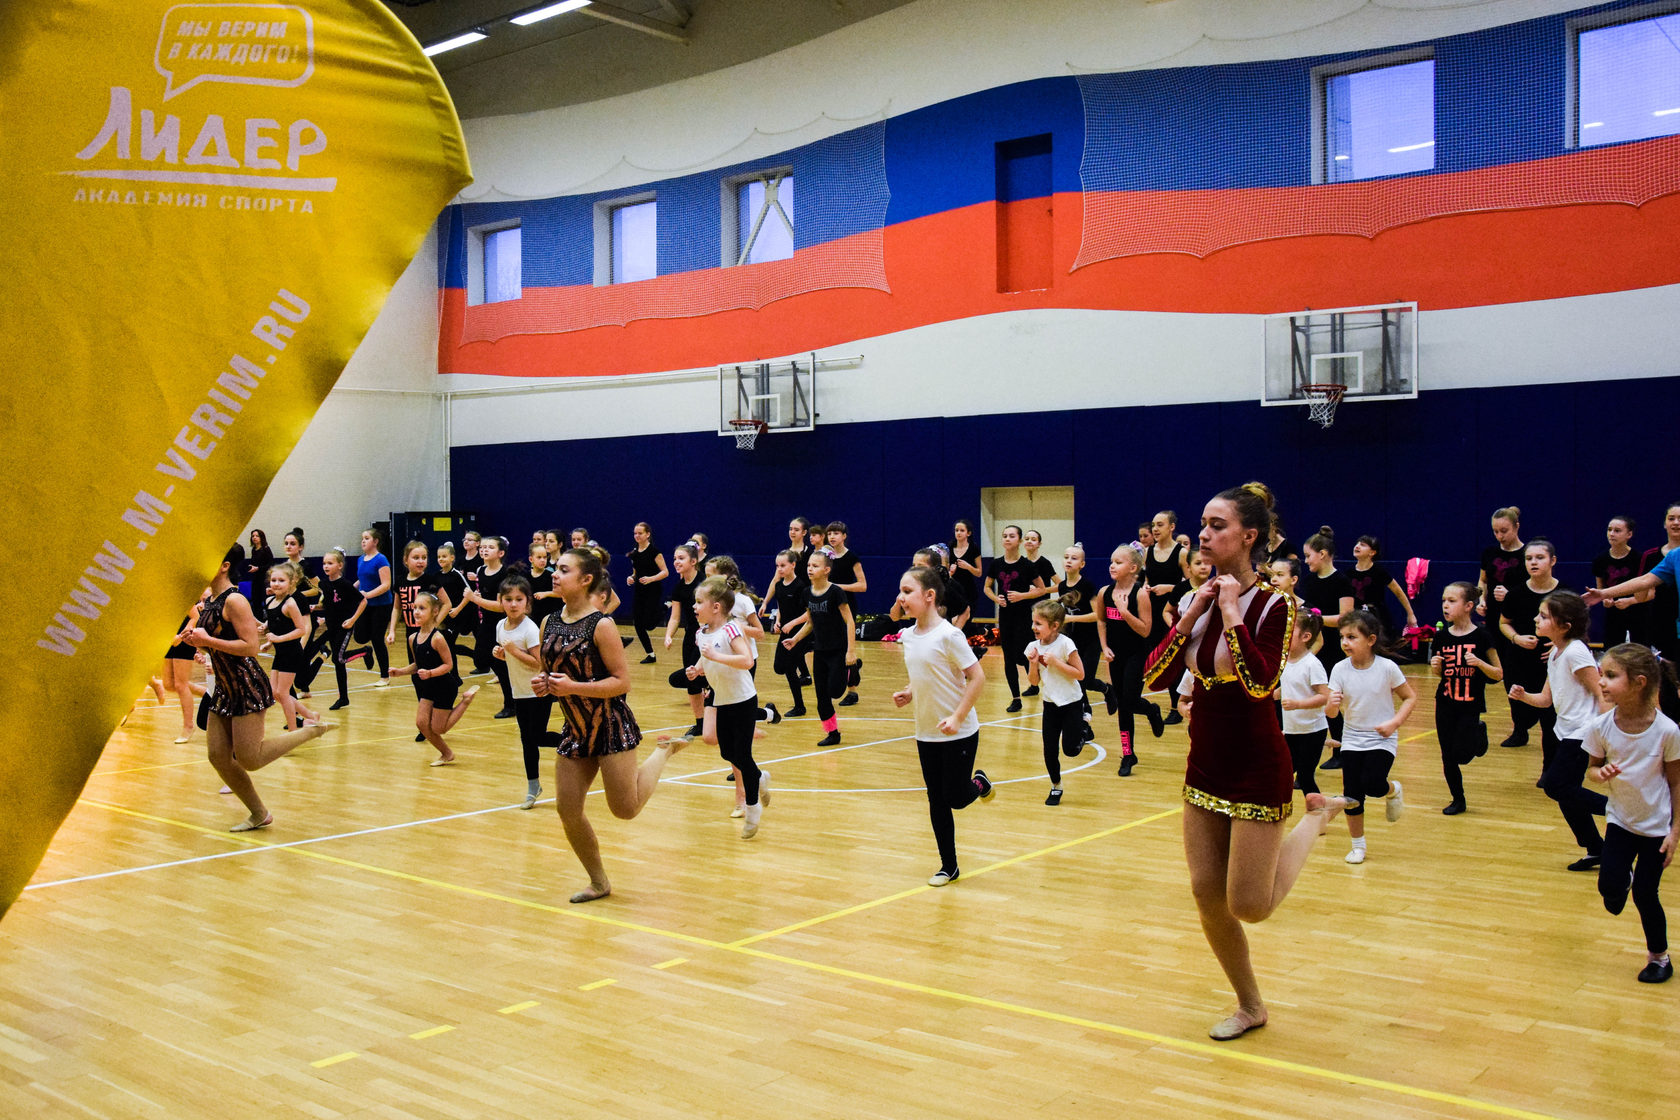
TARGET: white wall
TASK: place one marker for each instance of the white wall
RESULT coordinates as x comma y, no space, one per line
937,49
377,443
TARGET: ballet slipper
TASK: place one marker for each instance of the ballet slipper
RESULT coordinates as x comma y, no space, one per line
1236,1025
157,688
185,737
445,760
1329,806
672,743
591,893
249,825
467,697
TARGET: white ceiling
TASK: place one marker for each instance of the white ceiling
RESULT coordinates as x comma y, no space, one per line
611,48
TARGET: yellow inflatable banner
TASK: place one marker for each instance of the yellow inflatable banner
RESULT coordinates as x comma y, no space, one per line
204,207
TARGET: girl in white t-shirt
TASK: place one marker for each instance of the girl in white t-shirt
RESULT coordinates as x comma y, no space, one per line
1362,690
519,643
1572,688
1635,750
731,711
743,612
945,680
1304,691
1053,665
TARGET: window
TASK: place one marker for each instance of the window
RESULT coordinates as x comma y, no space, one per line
626,240
501,265
1376,119
494,269
758,217
1627,81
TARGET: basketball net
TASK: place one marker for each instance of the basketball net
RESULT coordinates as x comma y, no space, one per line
1322,401
747,433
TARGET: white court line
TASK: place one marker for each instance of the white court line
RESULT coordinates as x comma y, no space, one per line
682,780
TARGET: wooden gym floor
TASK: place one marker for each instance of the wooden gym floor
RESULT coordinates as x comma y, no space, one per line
399,943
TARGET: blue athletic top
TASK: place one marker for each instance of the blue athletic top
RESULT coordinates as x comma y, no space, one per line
367,578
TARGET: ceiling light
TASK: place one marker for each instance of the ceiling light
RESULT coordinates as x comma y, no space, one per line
1411,147
1339,159
549,10
1593,124
450,44
1665,112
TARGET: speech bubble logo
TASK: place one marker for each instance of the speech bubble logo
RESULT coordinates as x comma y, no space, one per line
245,44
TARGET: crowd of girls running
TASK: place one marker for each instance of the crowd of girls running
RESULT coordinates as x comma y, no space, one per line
544,630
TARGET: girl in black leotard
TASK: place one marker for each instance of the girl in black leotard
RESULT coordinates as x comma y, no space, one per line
965,569
1012,583
1329,592
288,629
1125,619
234,722
686,560
1166,572
647,597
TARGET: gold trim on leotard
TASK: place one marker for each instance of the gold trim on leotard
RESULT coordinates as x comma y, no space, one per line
1237,810
1164,658
1250,685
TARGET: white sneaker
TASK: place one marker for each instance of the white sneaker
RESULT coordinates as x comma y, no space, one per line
738,811
1396,804
1357,855
382,682
940,878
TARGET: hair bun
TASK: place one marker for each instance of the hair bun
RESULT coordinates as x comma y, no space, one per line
1326,531
1262,491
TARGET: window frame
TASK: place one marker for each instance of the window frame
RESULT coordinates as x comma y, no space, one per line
475,260
729,201
604,211
1598,21
1321,76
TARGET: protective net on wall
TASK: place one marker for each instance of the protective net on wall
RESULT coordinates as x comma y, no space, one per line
1234,165
842,208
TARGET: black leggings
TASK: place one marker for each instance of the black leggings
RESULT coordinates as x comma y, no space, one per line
1126,671
735,724
948,772
1014,633
1364,774
828,679
1064,727
484,638
1632,858
531,713
370,629
331,640
1561,782
648,613
690,657
1463,736
1305,747
790,664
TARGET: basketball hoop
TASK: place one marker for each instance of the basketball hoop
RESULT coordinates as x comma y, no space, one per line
747,433
1322,401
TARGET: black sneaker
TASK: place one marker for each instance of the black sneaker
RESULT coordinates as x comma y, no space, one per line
1156,723
1014,705
1111,700
693,732
1514,739
772,716
848,700
985,784
628,642
650,659
1126,765
854,675
505,713
1586,863
341,702
1055,797
1454,809
1655,973
832,739
1032,690
420,738
794,712
1334,762
1174,716
804,680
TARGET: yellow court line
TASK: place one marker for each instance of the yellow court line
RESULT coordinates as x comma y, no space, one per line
1204,1049
1415,738
431,1032
672,963
334,1060
527,1005
596,984
1012,860
1186,1045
